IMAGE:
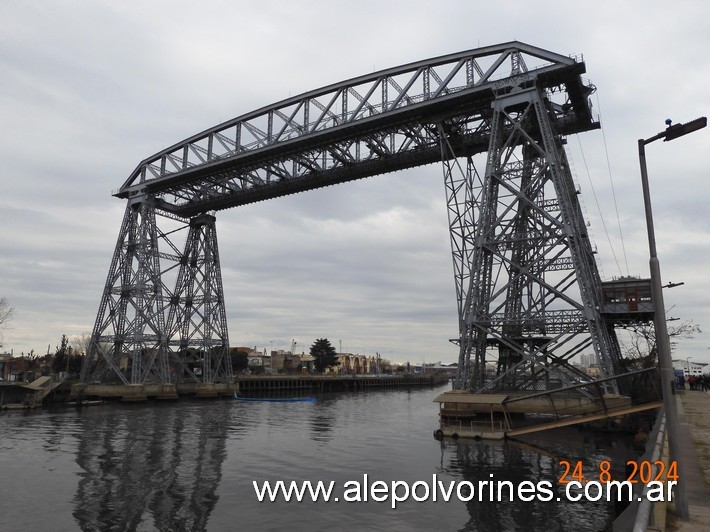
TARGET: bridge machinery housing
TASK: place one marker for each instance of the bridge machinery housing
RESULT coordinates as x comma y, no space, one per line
528,292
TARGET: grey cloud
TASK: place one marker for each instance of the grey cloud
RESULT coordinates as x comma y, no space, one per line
85,98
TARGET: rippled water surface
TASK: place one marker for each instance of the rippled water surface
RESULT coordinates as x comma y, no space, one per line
189,465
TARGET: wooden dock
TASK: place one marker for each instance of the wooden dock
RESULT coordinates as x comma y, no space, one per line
27,395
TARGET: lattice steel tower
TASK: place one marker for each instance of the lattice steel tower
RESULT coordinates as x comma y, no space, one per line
529,292
147,332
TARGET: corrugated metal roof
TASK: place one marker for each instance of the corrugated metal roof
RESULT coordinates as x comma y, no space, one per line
37,383
471,398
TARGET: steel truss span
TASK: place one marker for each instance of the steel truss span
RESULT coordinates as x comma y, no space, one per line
527,287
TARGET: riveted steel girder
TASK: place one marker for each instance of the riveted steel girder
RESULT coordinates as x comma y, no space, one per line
373,124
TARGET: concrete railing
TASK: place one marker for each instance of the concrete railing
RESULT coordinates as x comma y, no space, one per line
643,517
640,514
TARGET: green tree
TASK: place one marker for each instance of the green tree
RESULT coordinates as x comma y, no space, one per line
240,360
324,355
75,362
61,356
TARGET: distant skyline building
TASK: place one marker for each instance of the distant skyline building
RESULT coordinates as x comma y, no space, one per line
690,368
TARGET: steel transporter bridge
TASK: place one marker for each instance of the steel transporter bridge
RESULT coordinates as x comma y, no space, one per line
528,292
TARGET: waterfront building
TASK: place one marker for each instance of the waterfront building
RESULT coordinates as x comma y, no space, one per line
4,366
16,369
437,367
688,367
352,364
593,370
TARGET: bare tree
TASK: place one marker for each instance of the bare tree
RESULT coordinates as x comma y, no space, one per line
6,311
640,346
81,343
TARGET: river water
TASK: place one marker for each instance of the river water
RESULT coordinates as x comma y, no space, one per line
190,465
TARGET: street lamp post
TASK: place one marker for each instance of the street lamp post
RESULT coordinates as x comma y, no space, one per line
662,340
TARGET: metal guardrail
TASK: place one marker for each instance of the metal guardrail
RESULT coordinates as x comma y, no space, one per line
475,426
643,517
638,515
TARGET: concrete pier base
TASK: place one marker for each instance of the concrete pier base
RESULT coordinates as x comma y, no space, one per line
167,392
207,390
134,393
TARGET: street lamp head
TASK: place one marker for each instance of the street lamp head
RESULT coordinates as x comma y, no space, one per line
672,285
678,130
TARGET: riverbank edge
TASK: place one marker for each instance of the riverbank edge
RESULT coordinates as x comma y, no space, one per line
248,385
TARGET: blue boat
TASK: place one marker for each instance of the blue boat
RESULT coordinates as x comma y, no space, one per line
276,399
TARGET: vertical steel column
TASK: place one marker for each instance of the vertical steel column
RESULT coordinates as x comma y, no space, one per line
588,279
459,184
528,290
197,320
128,340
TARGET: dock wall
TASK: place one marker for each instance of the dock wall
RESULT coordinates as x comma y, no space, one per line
249,385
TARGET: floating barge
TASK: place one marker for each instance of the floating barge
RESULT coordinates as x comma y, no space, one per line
496,416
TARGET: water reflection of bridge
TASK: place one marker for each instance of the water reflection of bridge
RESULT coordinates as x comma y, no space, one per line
534,462
156,470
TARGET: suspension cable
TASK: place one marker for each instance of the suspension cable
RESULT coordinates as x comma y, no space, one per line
596,201
613,191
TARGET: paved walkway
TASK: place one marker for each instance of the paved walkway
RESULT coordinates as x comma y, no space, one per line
694,412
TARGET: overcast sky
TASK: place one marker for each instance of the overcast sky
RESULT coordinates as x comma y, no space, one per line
89,88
